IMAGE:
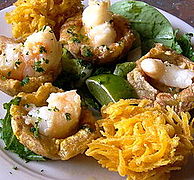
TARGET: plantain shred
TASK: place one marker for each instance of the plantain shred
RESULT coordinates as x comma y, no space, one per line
32,15
141,141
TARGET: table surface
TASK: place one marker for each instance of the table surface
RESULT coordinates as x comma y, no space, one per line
183,9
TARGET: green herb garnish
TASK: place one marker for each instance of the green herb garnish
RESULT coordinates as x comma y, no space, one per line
17,63
9,73
37,67
43,28
55,109
3,78
68,116
87,52
25,81
42,49
15,168
35,130
75,40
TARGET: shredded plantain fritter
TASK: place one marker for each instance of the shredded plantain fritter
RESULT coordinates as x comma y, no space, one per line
32,15
140,141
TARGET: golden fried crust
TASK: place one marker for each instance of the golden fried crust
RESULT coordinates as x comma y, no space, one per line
166,54
102,54
13,87
50,147
162,94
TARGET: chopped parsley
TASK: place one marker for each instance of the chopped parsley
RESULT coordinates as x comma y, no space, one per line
17,63
37,66
26,105
35,129
43,28
39,69
9,73
3,78
45,60
42,49
55,109
68,116
87,52
75,40
25,81
15,168
70,30
27,53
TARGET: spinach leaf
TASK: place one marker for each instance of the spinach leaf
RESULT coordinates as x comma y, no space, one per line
102,70
123,69
152,26
182,44
87,99
175,44
74,71
10,140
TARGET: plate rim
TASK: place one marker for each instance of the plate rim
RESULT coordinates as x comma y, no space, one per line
5,157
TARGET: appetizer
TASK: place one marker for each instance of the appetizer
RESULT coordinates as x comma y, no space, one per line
25,66
142,141
52,123
97,35
163,72
31,15
142,103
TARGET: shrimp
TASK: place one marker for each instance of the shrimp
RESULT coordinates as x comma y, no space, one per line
11,58
39,54
60,118
166,73
97,21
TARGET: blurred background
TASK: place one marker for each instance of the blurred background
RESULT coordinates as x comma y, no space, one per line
184,9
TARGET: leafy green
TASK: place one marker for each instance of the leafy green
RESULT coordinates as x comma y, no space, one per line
87,99
102,70
182,44
35,130
123,68
74,72
10,140
152,26
25,81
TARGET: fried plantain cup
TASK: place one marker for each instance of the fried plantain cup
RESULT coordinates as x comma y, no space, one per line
52,148
75,39
149,88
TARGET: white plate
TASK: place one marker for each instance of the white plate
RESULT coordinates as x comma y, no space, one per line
80,167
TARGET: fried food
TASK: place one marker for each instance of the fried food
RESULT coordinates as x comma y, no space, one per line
25,66
147,87
100,43
31,15
53,148
142,141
